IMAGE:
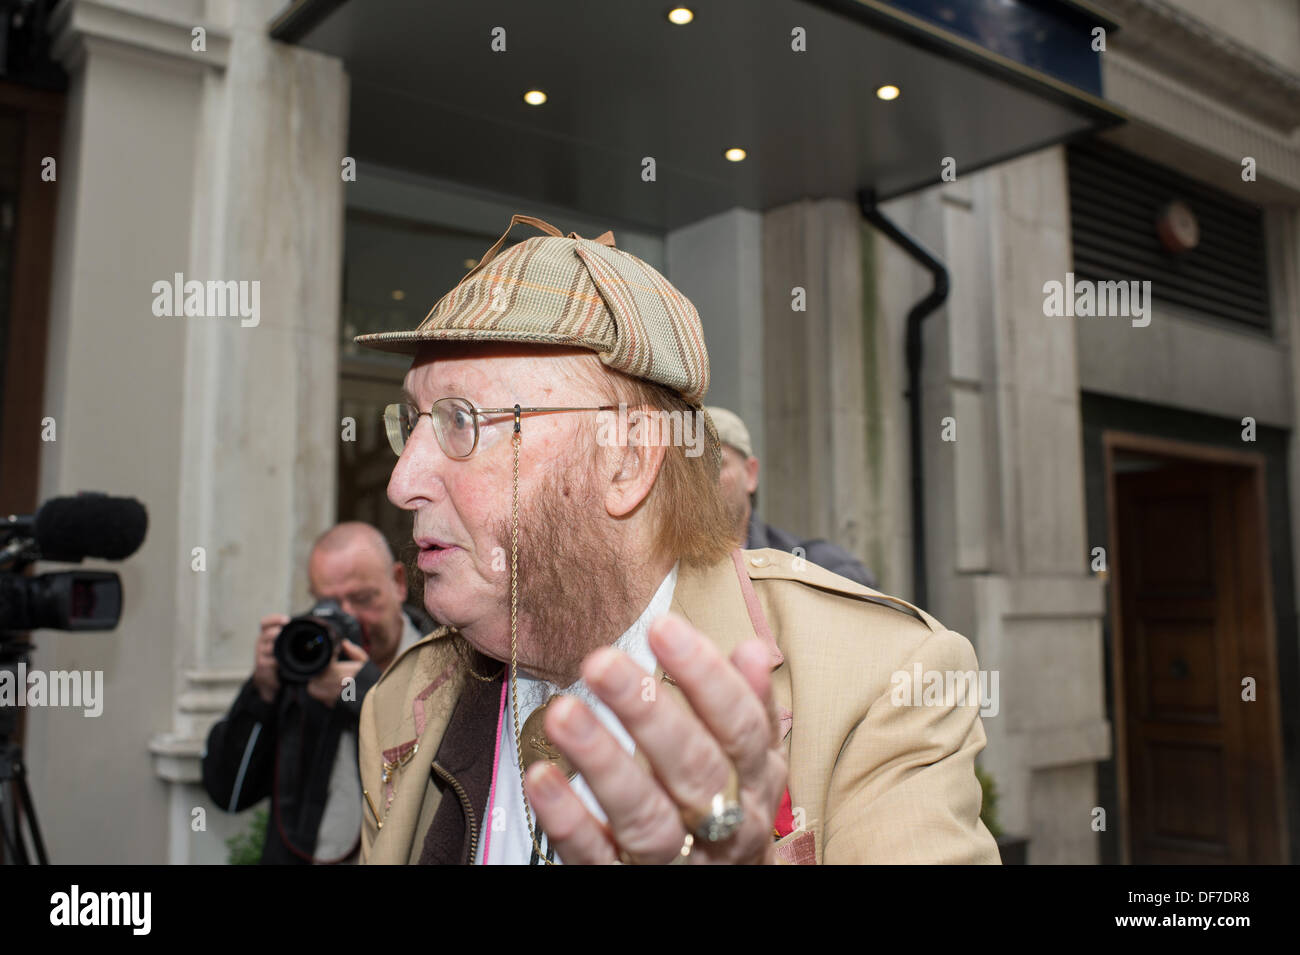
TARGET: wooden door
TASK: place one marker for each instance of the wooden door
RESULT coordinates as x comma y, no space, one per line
1203,767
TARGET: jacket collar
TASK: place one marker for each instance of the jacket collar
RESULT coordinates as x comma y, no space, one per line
720,602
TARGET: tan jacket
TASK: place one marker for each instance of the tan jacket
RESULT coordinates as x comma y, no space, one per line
870,780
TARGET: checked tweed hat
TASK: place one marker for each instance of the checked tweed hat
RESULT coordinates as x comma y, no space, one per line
566,290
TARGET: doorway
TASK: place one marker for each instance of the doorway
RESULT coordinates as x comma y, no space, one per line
1197,715
394,270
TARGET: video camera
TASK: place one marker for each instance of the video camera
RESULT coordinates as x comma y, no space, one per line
67,529
62,529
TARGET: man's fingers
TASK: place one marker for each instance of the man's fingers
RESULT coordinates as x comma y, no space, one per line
641,816
730,720
578,837
723,699
270,629
355,652
687,760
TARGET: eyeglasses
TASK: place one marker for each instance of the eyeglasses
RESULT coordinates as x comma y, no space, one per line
456,423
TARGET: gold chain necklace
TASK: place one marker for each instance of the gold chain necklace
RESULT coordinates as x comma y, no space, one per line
545,749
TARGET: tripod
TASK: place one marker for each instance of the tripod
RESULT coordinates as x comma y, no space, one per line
14,771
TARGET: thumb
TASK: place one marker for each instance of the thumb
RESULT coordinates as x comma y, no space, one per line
354,652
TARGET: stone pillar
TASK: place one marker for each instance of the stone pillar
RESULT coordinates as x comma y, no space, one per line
221,164
814,373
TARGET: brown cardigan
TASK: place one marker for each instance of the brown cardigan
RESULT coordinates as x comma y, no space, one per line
465,754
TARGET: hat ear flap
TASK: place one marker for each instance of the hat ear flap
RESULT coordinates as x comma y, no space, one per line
714,441
657,330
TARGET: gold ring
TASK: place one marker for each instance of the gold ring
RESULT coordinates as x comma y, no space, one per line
627,858
721,818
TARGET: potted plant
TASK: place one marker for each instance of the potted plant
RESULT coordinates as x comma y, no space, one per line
246,847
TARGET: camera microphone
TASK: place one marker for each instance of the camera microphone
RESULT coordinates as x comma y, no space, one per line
91,524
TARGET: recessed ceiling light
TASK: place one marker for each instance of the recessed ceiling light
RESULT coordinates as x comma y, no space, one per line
398,295
534,97
735,154
888,92
680,16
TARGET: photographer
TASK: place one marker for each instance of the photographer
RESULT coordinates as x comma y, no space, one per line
296,741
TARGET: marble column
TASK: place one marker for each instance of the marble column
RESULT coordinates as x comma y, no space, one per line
221,163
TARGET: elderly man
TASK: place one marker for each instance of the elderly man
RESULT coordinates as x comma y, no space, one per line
316,794
739,479
613,682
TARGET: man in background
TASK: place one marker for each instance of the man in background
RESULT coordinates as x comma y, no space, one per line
740,488
297,743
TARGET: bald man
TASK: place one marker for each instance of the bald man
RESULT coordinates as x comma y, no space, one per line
298,742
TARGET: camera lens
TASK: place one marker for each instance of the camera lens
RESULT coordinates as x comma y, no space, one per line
310,648
303,649
308,642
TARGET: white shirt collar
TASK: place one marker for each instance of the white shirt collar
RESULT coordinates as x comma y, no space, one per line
410,634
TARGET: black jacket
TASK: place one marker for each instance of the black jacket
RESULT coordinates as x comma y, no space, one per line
290,745
820,552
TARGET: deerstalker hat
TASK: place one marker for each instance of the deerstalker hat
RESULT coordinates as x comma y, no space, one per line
554,289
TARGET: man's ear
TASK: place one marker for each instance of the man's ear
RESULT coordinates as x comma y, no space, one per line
751,475
399,578
636,467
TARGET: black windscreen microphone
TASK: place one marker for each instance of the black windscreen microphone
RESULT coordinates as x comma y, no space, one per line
89,525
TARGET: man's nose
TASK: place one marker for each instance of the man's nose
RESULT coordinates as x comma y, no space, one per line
417,475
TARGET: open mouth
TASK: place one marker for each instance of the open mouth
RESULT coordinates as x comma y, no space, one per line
432,553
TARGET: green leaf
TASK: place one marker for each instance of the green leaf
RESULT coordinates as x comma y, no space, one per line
246,847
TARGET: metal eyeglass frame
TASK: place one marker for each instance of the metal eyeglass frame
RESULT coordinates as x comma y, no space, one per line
475,413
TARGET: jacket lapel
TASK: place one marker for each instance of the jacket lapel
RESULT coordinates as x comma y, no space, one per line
720,602
419,721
